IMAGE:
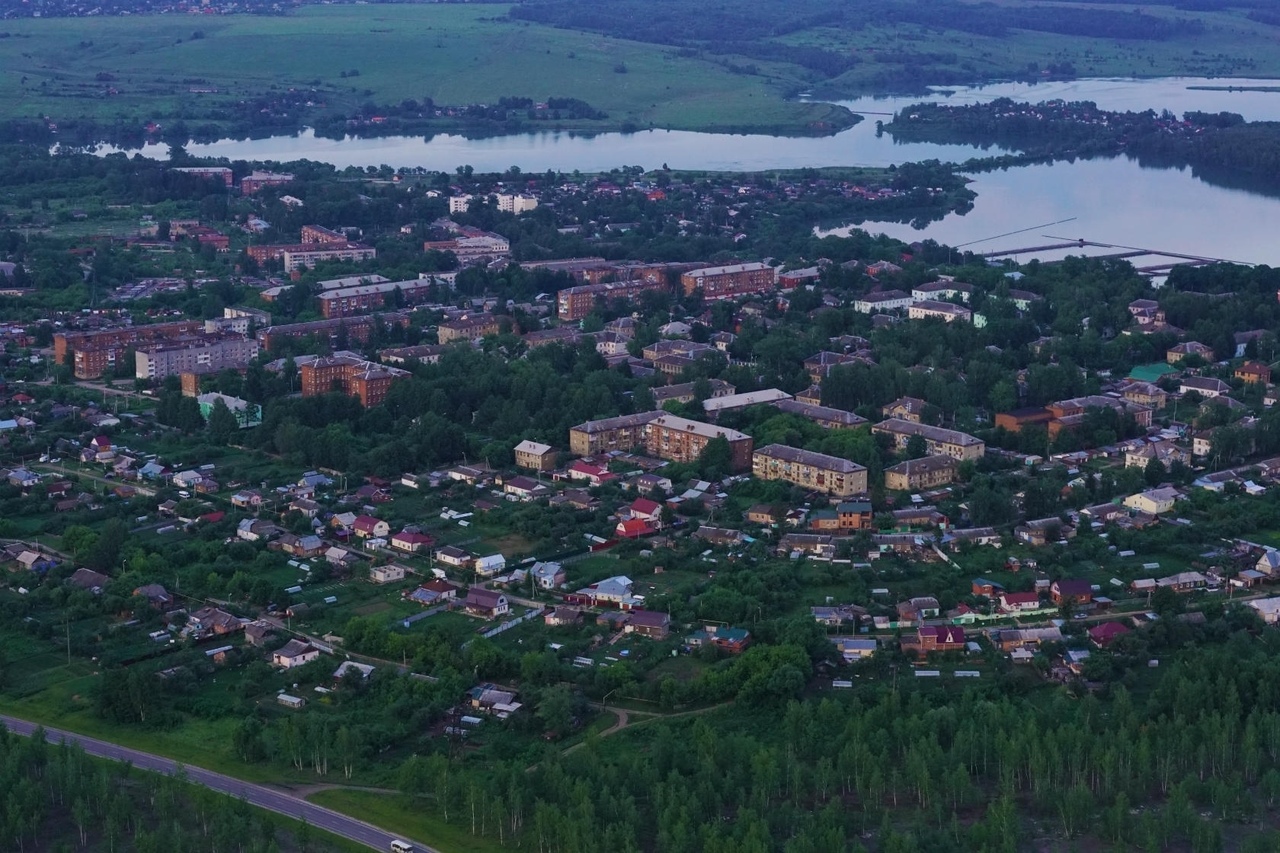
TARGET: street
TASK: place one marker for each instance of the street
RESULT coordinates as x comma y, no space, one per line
256,795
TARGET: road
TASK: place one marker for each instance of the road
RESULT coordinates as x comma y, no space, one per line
256,795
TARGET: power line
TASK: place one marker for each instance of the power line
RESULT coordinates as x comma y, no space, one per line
1011,233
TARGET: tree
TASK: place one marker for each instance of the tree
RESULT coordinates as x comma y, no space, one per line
716,459
222,423
1154,473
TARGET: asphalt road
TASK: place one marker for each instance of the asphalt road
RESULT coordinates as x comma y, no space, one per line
256,795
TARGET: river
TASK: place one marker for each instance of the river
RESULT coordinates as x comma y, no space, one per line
1110,201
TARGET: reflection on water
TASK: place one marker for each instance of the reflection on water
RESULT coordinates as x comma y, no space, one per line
1114,201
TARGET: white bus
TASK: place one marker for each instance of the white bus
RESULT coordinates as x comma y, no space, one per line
398,846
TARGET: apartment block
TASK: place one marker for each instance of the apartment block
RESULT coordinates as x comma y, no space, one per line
815,471
468,328
205,354
939,441
574,303
620,433
371,296
945,311
255,181
916,474
730,282
681,440
355,329
92,353
345,374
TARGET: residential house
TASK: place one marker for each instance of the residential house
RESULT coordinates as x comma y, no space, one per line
1205,386
212,622
487,567
940,638
247,499
643,509
1144,394
304,547
1164,451
548,575
1253,372
387,574
854,649
1268,609
562,616
732,640
433,592
486,602
1017,602
985,588
294,653
456,557
1154,501
634,528
533,456
918,609
838,616
367,526
88,579
1043,531
854,515
1106,633
647,623
1188,348
1071,592
412,541
610,592
155,594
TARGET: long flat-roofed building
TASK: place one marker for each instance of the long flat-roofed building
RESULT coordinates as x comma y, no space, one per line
939,441
619,433
817,471
574,303
715,405
203,354
365,297
682,440
354,328
91,353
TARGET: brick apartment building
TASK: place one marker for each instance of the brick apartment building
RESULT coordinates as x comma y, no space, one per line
203,354
255,181
681,440
574,303
363,298
216,173
816,471
356,329
730,282
355,377
620,433
92,353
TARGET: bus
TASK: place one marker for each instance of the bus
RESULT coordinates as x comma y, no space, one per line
398,846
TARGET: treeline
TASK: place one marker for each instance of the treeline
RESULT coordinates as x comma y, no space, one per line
57,798
1183,758
1222,148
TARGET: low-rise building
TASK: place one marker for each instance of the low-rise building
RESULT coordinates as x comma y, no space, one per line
914,475
1154,501
534,456
824,416
817,471
946,311
729,282
679,439
620,433
938,441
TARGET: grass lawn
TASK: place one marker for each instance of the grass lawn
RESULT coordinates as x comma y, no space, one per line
411,820
454,54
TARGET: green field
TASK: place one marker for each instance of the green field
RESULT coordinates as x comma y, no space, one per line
453,54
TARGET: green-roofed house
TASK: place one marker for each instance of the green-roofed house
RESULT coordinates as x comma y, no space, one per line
1151,372
732,640
247,414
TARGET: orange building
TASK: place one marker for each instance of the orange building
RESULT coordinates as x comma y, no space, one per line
341,374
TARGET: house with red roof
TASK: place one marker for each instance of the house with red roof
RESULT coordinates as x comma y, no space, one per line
366,526
100,444
635,528
1014,602
594,474
1107,633
411,542
643,509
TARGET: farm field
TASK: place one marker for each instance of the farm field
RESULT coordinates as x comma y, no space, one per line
102,68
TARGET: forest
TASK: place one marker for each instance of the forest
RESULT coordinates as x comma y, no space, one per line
58,799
